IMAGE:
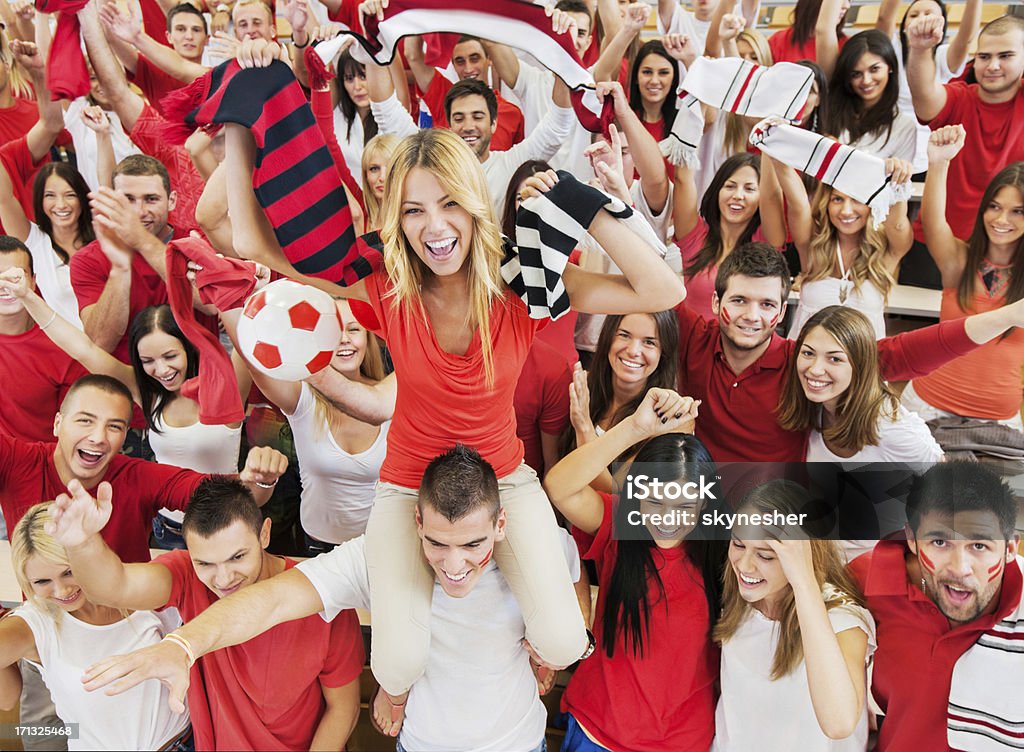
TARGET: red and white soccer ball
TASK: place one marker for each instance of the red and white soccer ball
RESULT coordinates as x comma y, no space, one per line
288,330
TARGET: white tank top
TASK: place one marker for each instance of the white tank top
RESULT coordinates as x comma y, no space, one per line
822,293
337,487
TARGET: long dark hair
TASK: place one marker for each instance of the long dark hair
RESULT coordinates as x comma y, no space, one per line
805,18
904,45
74,178
508,212
977,245
711,252
348,66
668,107
817,124
845,108
627,608
152,395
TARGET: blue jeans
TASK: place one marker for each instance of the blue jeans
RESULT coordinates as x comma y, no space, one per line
576,739
542,748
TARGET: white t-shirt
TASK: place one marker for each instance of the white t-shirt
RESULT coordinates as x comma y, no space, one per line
53,276
337,487
478,692
943,75
756,713
901,142
84,139
137,719
906,439
351,144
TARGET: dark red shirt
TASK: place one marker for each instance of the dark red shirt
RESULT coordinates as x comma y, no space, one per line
508,130
154,82
737,416
541,400
917,648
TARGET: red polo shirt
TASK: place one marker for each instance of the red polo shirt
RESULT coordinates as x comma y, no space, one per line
737,416
508,129
917,648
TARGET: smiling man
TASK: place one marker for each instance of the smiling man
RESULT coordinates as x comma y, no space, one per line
947,602
478,690
294,687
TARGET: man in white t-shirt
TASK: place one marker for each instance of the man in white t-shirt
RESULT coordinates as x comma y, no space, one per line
478,690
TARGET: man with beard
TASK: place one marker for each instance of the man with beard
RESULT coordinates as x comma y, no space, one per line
991,111
947,602
736,365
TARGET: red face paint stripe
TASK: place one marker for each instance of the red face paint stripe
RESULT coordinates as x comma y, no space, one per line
774,321
725,316
487,558
995,572
927,562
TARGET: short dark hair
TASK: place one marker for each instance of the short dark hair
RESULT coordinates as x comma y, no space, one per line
458,482
141,165
107,384
186,8
962,486
467,87
753,260
472,38
10,244
574,6
217,503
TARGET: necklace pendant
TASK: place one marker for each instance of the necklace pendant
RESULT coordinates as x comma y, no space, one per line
844,290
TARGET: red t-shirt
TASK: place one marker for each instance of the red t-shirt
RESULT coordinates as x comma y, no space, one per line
663,701
508,130
39,373
348,14
29,476
17,161
738,421
154,82
442,398
185,179
265,693
90,269
18,119
784,50
995,139
541,400
917,648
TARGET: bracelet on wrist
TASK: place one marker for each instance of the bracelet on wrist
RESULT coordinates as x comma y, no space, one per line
298,46
52,319
184,644
265,485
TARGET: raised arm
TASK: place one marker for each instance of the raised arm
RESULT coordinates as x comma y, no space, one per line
826,38
568,483
899,235
928,95
230,621
65,335
642,147
771,204
12,215
368,403
78,518
888,17
44,132
284,394
970,22
798,208
96,120
948,251
610,61
106,320
127,27
503,62
422,73
685,201
126,103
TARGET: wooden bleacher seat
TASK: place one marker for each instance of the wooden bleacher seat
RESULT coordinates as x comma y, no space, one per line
989,12
782,17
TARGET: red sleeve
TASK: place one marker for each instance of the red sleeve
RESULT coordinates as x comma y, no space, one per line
345,657
554,412
371,315
154,21
17,160
434,99
180,566
165,485
508,131
89,272
919,352
956,94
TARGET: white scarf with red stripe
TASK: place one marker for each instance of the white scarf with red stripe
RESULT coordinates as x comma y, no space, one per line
859,175
732,84
516,23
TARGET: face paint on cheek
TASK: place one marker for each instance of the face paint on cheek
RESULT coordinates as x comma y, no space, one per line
927,563
995,572
774,320
726,318
483,562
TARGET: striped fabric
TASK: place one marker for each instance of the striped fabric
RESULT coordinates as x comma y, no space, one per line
738,86
986,696
516,23
295,180
548,228
858,174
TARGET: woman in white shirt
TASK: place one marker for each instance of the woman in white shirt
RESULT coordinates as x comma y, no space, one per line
796,639
353,126
60,201
63,633
834,390
339,456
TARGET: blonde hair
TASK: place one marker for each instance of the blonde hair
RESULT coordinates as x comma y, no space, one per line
445,156
758,43
868,397
31,539
15,77
829,567
383,144
371,368
869,265
246,3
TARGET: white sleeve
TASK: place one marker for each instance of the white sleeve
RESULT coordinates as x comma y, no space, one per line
546,139
533,89
908,439
903,141
942,71
339,577
681,23
392,117
852,616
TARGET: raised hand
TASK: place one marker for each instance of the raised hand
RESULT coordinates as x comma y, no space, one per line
579,403
263,465
125,26
606,161
76,516
297,13
946,142
925,32
538,183
680,47
635,18
27,55
114,213
664,411
13,282
95,119
561,22
900,169
258,53
730,26
373,8
795,559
